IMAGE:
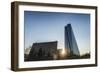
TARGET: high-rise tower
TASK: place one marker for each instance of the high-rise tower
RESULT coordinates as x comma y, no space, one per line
70,41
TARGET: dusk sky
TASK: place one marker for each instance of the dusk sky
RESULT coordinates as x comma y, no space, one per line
49,26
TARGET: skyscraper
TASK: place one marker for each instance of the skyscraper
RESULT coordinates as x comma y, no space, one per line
70,41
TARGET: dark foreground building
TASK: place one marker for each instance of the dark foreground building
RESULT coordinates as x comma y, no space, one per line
42,51
70,41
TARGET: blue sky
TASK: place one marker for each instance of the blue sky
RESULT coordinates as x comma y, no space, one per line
49,26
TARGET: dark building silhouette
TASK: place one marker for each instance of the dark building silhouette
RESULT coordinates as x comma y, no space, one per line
70,41
42,51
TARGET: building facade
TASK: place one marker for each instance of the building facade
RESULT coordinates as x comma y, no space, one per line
70,41
42,51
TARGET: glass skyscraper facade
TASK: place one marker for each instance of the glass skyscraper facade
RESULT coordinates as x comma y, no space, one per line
70,41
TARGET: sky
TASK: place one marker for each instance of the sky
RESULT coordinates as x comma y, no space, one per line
49,26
